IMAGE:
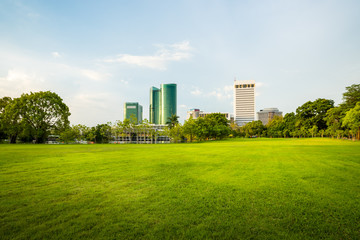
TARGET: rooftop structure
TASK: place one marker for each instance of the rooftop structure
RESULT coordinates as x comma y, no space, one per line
267,114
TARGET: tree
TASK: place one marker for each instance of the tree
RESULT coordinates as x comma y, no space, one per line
313,114
275,127
68,135
289,125
351,96
175,132
11,122
352,120
190,128
172,121
333,120
5,101
43,112
217,126
254,128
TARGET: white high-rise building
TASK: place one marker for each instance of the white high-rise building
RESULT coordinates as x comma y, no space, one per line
244,101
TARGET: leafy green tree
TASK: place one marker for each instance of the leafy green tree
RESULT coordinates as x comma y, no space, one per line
275,127
5,101
254,128
217,126
190,128
68,135
313,131
81,131
289,125
11,121
333,120
313,114
352,120
351,97
43,112
172,121
175,132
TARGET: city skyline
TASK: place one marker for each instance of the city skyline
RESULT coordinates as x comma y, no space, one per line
99,55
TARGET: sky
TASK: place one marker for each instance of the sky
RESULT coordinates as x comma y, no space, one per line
96,55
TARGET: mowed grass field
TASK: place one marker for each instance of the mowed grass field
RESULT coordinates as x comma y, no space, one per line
233,189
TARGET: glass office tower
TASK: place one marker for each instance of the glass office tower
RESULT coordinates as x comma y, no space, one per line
154,105
133,110
168,102
162,103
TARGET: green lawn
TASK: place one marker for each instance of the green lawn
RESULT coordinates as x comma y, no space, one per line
252,188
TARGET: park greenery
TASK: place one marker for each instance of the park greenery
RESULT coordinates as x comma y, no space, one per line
293,188
34,117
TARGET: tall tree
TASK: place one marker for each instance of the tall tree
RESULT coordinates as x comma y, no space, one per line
190,128
333,120
5,101
351,96
43,112
352,120
313,114
172,121
12,123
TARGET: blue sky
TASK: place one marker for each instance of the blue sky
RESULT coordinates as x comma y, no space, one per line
99,54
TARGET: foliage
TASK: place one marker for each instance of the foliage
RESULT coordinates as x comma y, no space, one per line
34,116
351,96
313,113
172,121
352,120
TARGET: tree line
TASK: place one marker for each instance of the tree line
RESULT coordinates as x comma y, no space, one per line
317,118
35,116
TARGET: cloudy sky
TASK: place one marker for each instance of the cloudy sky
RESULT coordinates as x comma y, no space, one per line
99,54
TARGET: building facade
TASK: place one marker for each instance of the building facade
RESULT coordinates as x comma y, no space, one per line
133,110
196,113
244,101
162,103
267,114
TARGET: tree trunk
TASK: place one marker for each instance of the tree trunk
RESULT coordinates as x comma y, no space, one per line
13,138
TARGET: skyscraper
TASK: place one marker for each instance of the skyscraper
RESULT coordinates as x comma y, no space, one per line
162,103
133,110
154,110
244,101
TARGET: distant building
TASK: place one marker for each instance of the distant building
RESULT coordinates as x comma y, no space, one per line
244,101
196,113
162,103
133,110
267,114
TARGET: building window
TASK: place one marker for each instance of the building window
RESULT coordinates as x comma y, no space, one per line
252,85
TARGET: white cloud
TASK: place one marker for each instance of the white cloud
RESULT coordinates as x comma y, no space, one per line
95,100
165,54
196,92
94,75
17,82
183,106
220,93
55,54
124,82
